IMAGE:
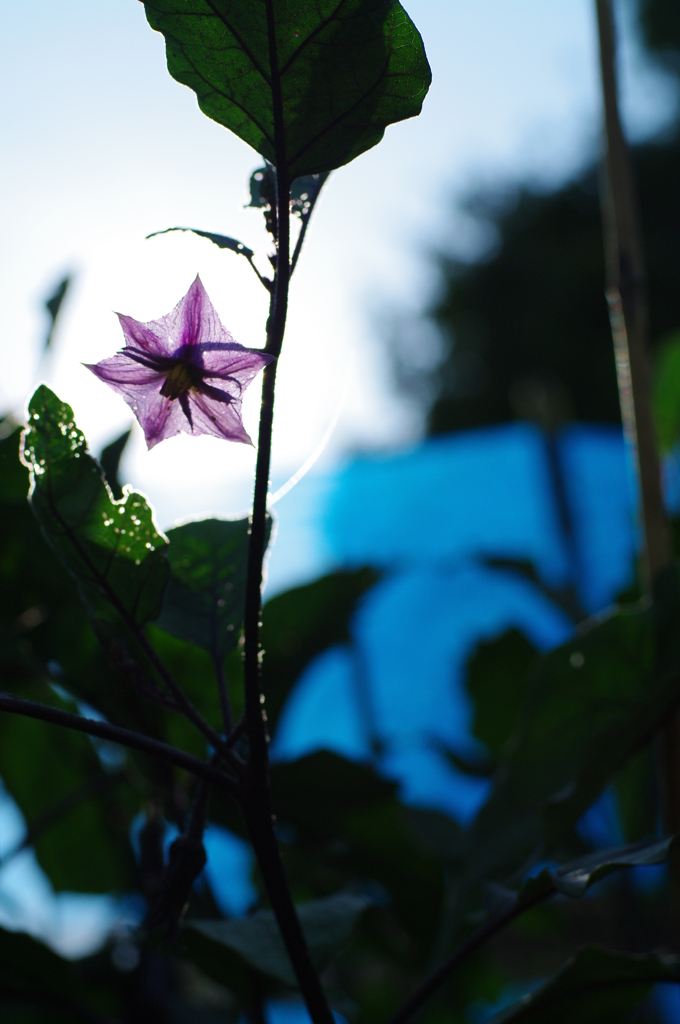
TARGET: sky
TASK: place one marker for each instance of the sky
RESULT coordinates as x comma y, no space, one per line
102,147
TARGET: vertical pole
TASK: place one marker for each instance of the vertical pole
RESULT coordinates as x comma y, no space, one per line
627,299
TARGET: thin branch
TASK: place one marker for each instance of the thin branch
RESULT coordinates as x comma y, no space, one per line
305,218
627,298
265,281
236,732
224,696
493,926
117,734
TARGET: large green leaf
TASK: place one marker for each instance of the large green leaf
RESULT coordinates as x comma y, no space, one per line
114,549
592,704
348,825
79,814
303,622
343,71
595,986
204,600
327,923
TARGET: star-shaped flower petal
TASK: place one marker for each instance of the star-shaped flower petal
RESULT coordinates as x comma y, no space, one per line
183,372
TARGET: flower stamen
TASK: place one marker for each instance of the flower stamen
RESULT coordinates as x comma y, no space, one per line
181,378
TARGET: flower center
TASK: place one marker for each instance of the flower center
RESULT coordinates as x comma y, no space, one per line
181,378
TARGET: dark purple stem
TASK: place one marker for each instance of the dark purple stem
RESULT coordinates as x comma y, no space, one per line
255,796
117,734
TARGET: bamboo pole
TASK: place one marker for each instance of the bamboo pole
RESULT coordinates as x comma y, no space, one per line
626,291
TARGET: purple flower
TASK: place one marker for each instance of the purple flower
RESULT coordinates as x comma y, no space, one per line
183,372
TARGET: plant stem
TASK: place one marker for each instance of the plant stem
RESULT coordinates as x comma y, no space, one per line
117,734
224,696
255,794
258,816
627,299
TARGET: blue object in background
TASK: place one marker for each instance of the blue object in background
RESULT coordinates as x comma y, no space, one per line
599,488
229,871
433,518
483,492
400,688
289,1012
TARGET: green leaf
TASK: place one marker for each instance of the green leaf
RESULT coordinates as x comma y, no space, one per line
78,815
221,241
114,549
327,923
574,879
204,599
667,392
344,70
304,192
592,704
37,985
347,819
303,622
497,681
316,792
596,985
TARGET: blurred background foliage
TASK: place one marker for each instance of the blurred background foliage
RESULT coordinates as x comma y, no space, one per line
524,336
523,330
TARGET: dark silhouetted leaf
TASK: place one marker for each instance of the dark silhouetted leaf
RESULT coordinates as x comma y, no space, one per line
37,986
80,815
113,549
299,624
350,823
574,879
593,703
328,924
53,306
304,192
345,70
316,792
204,600
109,460
593,987
497,681
222,241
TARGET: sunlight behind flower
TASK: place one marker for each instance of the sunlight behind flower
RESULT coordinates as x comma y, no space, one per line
99,169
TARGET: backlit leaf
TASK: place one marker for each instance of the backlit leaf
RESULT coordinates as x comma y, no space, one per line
113,548
204,600
344,70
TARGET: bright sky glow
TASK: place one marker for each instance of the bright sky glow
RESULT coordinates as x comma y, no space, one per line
102,147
